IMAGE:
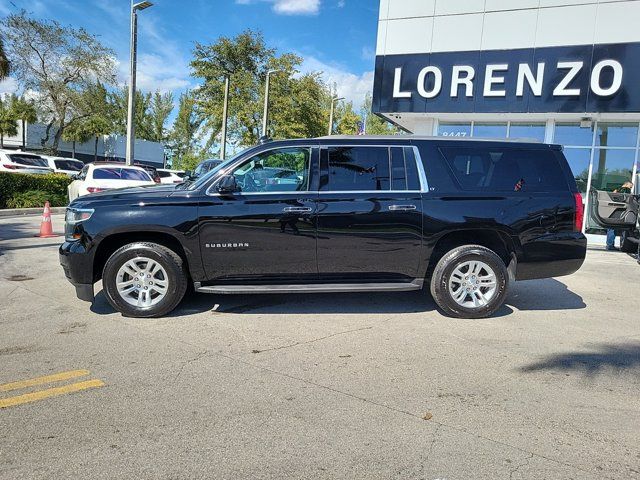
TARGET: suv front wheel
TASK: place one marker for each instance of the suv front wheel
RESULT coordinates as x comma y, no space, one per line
144,280
470,281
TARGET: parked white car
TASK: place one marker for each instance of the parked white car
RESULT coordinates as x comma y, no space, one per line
68,166
171,176
20,162
99,177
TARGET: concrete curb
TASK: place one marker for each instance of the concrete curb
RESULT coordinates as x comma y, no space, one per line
19,212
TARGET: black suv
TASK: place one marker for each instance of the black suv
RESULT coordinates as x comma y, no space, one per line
336,214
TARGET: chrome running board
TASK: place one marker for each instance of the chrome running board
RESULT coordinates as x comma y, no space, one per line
310,288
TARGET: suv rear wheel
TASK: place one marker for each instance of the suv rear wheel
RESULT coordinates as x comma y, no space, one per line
144,280
470,281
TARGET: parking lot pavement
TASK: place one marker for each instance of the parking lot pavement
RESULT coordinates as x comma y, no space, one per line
317,386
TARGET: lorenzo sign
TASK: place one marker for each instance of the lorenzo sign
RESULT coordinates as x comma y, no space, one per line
586,78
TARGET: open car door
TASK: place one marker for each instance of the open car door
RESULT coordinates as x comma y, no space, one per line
615,210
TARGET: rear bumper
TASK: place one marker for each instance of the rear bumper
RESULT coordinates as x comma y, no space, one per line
552,255
77,265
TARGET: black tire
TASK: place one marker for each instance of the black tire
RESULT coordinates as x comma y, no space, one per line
446,266
168,259
626,245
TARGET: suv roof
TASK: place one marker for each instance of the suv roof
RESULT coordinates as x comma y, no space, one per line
427,137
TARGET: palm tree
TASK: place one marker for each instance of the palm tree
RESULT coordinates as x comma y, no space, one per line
25,111
8,123
4,61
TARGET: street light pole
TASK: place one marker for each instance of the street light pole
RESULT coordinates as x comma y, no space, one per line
131,131
333,103
265,115
225,108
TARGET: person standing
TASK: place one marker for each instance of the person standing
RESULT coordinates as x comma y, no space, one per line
611,233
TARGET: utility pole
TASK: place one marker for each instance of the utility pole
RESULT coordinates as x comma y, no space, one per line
225,112
333,104
265,115
131,130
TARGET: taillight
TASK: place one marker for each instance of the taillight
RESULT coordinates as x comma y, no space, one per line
156,179
95,189
11,167
577,227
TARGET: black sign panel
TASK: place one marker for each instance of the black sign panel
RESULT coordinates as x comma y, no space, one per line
575,79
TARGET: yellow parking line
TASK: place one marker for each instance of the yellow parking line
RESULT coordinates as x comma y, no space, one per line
50,392
57,377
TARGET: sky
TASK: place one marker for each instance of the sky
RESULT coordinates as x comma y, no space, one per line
336,37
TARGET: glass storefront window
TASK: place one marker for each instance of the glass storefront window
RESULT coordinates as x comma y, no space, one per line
616,135
490,130
528,131
454,130
579,159
612,168
572,134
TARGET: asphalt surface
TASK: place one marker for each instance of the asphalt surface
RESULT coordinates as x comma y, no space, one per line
346,386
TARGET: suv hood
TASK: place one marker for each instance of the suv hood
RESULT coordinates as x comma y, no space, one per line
144,193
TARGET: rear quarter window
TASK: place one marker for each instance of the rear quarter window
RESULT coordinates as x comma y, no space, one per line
496,169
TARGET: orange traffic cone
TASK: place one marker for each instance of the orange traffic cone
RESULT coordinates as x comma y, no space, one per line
46,228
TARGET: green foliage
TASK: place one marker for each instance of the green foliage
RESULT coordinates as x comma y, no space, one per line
348,119
187,161
161,108
5,67
8,121
298,103
13,184
57,61
36,198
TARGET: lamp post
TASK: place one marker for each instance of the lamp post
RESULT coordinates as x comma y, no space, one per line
225,114
131,131
333,104
265,115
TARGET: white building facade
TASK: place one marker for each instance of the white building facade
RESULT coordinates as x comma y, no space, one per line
110,147
559,71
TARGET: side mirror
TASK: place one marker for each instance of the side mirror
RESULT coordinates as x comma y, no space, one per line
228,184
188,175
75,176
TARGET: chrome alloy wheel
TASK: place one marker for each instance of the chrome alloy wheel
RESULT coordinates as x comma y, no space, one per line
473,284
142,282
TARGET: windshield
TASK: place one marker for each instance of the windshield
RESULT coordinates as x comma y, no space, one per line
205,178
120,174
29,160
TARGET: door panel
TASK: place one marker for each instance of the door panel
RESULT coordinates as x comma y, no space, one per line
614,210
259,238
366,230
369,236
266,232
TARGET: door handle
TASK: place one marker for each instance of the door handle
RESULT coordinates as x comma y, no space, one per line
616,204
402,208
297,209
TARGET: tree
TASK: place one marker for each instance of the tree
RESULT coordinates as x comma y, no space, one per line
119,100
161,108
8,121
76,133
298,104
347,119
374,125
97,115
58,62
184,135
26,112
4,61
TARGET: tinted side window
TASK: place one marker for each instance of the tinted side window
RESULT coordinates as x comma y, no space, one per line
358,169
68,165
164,174
505,169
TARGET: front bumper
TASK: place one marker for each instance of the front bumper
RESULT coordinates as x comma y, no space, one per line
77,265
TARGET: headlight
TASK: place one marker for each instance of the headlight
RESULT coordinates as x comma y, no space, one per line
77,215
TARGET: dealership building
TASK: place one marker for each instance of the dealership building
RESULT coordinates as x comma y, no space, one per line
558,71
